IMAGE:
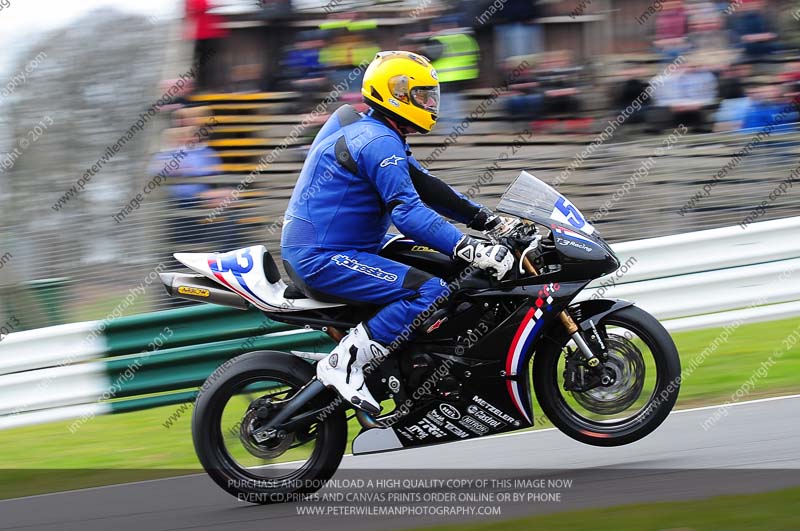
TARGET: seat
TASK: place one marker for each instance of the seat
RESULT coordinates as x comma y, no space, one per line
293,292
316,294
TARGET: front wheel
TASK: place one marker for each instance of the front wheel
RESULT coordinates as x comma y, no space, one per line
240,397
637,390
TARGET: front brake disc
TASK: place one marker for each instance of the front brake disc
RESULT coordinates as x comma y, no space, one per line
626,367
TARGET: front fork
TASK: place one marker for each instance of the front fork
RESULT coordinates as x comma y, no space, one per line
572,328
567,320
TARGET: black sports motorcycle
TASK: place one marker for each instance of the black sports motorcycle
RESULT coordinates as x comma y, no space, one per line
604,372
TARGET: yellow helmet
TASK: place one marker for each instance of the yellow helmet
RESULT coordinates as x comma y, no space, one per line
404,86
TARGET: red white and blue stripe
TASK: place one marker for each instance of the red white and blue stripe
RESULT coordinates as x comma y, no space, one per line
247,294
523,339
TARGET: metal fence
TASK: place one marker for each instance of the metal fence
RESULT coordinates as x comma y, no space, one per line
85,265
81,370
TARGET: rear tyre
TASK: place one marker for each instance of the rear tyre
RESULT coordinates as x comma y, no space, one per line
608,426
264,472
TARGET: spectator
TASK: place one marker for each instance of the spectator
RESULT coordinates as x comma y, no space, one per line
684,97
732,81
182,97
207,31
300,67
734,100
671,29
768,108
707,29
631,87
186,157
349,47
558,80
752,32
789,27
791,70
455,55
515,33
790,78
524,101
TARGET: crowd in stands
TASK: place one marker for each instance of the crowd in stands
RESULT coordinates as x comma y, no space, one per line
738,68
732,66
734,62
734,69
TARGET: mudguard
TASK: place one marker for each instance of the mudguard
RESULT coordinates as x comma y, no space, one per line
594,310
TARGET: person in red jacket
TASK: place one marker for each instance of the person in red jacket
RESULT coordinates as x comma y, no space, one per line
207,31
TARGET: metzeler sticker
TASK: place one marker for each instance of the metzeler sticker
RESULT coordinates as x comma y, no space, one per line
493,410
197,292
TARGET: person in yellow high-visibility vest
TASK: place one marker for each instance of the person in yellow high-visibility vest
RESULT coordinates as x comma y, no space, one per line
349,47
455,59
459,57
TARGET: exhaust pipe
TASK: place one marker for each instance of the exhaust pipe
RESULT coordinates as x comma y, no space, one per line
199,288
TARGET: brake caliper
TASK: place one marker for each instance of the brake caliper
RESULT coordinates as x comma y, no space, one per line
578,376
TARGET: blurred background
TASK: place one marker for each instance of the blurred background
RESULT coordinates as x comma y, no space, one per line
131,130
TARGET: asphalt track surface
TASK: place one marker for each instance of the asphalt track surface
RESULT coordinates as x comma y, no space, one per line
754,448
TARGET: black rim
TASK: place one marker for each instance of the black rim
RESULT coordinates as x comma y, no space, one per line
264,473
593,427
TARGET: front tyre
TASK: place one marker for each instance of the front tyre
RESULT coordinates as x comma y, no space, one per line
241,396
644,378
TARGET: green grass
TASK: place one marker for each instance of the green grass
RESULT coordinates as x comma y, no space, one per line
732,363
773,511
102,305
139,441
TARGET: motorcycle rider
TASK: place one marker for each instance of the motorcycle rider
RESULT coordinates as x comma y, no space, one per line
358,178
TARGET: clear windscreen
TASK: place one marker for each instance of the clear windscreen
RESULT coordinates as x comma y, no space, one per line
529,198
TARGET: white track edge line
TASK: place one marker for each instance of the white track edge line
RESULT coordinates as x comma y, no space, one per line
497,436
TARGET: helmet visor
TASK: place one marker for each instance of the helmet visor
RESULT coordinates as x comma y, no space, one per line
426,98
398,88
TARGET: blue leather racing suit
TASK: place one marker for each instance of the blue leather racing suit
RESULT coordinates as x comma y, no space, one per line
358,178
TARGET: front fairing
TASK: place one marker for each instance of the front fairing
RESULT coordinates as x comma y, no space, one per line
582,257
532,199
582,251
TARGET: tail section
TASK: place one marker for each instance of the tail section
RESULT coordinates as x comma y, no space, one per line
236,278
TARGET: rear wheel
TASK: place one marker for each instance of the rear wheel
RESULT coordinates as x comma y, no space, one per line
242,397
640,381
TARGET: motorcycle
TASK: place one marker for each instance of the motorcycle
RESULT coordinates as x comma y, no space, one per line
603,371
